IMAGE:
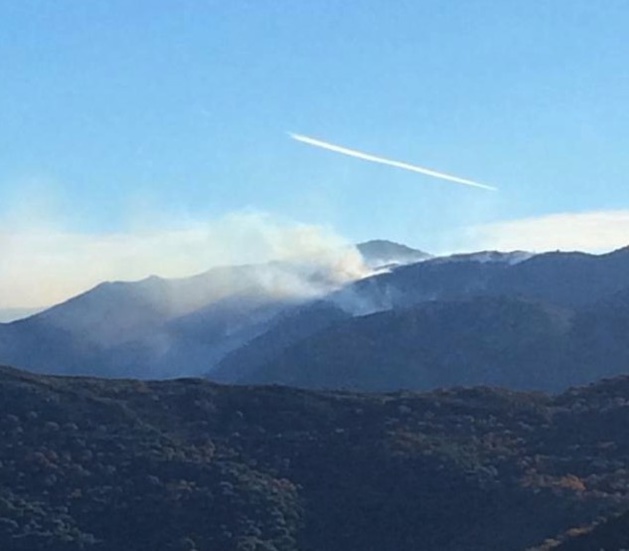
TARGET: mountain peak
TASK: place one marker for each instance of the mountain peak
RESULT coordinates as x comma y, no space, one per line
379,253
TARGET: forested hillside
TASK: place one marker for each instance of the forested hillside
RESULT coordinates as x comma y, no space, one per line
187,464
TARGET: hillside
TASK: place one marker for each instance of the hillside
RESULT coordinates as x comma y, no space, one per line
316,326
511,342
12,314
186,464
546,323
609,535
379,253
497,341
565,279
160,327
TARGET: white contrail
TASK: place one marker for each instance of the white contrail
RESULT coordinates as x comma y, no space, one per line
383,161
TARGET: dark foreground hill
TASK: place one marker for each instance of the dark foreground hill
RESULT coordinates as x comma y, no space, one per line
609,535
88,464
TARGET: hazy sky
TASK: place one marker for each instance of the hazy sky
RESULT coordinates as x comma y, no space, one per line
119,117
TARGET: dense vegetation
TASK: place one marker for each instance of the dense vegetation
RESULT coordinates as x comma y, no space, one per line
609,535
182,465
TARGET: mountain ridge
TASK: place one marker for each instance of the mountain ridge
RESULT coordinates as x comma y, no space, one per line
229,322
582,285
157,327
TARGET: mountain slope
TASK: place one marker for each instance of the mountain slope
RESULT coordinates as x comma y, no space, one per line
609,535
398,289
233,320
587,287
291,326
512,342
8,315
167,327
566,279
159,327
496,341
379,253
181,465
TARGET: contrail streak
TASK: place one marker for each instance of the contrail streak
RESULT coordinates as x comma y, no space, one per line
383,161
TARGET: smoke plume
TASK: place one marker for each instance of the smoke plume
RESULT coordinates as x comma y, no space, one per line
45,266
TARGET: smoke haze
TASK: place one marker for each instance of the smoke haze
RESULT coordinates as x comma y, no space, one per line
45,266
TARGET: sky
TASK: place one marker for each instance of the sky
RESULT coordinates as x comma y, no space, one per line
127,125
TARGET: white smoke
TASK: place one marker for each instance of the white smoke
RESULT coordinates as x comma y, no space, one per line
45,266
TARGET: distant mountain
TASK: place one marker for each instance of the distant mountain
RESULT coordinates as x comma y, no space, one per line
433,328
380,253
564,279
495,341
99,465
502,341
12,314
514,257
291,326
160,327
167,327
400,288
250,323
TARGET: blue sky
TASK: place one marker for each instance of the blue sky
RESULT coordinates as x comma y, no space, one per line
118,114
